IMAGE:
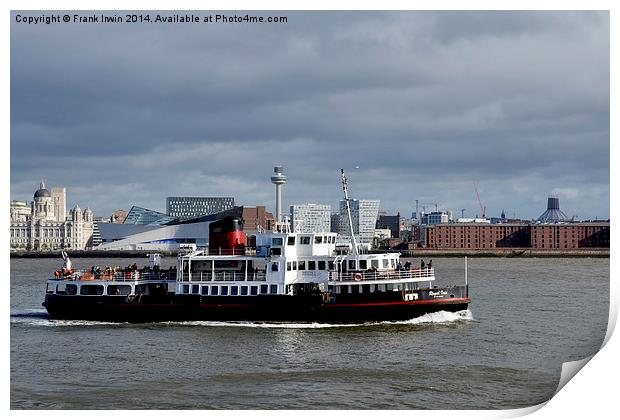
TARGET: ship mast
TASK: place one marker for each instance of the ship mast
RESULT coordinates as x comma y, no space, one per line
346,201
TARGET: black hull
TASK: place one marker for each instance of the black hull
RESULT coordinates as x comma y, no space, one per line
389,306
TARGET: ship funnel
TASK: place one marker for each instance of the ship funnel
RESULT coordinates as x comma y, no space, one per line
279,179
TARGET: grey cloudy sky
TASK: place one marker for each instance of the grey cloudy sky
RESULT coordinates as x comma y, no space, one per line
424,103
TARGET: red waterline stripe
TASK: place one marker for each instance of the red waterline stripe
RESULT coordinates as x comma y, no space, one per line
411,302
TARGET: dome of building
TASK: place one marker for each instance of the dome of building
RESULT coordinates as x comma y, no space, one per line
42,191
553,214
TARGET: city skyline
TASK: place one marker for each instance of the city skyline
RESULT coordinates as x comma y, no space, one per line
424,103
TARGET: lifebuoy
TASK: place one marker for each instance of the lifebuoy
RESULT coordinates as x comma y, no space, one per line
357,277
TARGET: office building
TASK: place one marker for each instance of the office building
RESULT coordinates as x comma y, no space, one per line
310,218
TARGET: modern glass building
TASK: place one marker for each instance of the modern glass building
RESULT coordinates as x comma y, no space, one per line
364,216
190,207
141,216
310,218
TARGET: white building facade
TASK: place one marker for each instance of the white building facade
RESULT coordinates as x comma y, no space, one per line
310,218
364,216
45,226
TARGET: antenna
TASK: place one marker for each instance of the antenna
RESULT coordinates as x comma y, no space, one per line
346,201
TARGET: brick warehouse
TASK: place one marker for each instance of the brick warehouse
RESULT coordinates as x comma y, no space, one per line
518,235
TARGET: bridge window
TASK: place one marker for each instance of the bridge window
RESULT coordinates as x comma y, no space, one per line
385,263
374,263
91,289
294,265
305,240
302,265
291,240
351,264
288,266
274,289
263,289
276,241
311,265
51,288
330,265
318,239
321,265
119,290
363,264
274,266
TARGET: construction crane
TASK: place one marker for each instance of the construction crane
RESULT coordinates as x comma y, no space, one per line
482,208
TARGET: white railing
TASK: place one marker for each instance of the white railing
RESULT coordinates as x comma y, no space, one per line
105,275
416,273
223,276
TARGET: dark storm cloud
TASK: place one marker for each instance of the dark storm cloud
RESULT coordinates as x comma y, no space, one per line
423,102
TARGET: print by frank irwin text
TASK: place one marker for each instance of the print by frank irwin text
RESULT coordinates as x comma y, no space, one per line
144,18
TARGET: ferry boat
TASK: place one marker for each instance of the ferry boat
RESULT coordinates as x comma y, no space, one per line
286,276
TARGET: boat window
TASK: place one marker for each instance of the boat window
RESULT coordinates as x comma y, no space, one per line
244,290
185,289
363,264
119,290
263,289
253,290
374,263
351,264
51,288
274,266
294,265
234,290
204,290
274,289
71,289
355,289
214,290
276,241
311,265
344,289
195,289
318,239
393,261
366,288
276,251
291,240
224,290
91,289
385,263
305,240
288,266
321,265
330,265
302,265
389,287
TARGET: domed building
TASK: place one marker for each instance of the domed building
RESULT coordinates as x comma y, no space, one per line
46,226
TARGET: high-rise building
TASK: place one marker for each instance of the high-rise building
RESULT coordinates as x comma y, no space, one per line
59,198
191,207
364,218
389,222
310,218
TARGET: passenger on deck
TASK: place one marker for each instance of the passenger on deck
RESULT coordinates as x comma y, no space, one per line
430,264
399,267
422,265
408,265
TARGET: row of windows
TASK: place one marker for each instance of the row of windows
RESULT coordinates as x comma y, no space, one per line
263,289
305,240
311,265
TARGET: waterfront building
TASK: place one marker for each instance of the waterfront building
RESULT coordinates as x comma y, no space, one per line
390,222
190,207
431,219
45,225
364,217
310,218
141,216
518,235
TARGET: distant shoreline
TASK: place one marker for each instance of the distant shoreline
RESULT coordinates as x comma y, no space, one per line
420,252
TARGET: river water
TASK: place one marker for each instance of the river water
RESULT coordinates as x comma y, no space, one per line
527,317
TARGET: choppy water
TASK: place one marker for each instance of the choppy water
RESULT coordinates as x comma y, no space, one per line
527,317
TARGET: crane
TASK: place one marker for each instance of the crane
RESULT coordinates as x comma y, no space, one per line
482,208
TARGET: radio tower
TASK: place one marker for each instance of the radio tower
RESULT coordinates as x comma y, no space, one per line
279,179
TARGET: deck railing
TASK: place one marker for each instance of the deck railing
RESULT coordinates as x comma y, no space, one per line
200,276
88,275
415,273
